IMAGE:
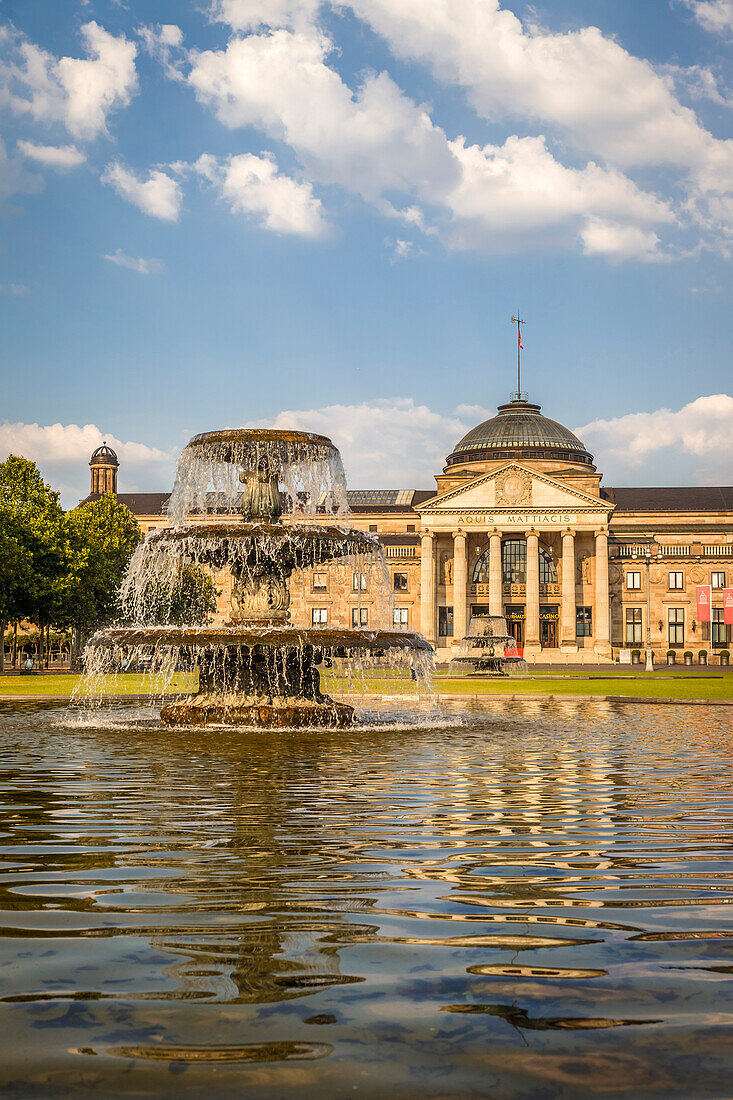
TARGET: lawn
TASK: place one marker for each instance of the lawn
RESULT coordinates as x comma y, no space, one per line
707,684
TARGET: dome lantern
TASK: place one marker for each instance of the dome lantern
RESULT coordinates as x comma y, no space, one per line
104,464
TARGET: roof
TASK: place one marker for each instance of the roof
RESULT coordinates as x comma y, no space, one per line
670,498
140,504
104,456
519,431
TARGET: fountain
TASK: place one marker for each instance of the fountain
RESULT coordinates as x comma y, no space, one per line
489,646
257,669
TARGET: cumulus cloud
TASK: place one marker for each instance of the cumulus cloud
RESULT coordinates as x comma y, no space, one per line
159,195
17,290
377,142
253,186
79,92
715,16
141,266
163,43
246,15
52,156
62,452
392,443
691,444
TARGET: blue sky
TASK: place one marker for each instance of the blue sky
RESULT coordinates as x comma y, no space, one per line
324,214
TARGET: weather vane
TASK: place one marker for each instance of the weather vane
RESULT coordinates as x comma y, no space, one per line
520,348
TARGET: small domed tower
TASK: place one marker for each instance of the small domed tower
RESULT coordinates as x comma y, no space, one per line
103,464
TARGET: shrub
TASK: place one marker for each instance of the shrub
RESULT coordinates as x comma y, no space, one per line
687,653
724,653
670,652
702,652
636,653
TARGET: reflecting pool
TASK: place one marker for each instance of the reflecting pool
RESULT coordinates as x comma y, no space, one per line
527,901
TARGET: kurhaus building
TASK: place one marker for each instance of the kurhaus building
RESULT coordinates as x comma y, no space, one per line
519,525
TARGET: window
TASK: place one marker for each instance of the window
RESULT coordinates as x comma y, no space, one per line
360,582
583,622
719,636
359,616
320,582
633,626
411,528
401,617
676,580
319,615
676,626
717,580
400,582
445,622
633,580
548,572
373,527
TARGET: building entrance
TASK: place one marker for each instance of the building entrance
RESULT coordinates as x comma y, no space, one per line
548,627
515,623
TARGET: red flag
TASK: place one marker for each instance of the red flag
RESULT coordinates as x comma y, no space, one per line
728,606
704,593
519,334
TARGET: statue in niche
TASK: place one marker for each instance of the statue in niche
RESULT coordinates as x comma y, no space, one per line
446,565
583,570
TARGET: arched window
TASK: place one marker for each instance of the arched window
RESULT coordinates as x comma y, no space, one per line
514,564
548,570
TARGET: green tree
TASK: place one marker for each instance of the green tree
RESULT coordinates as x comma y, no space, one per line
100,538
32,523
188,599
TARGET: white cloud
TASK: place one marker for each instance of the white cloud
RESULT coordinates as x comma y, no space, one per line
52,156
252,185
18,290
158,195
62,452
79,92
141,266
691,444
378,143
246,15
715,16
14,179
621,242
164,43
392,443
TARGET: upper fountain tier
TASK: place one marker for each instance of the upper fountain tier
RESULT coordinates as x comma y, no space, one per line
257,472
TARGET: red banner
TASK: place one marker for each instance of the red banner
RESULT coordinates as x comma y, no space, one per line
704,602
728,606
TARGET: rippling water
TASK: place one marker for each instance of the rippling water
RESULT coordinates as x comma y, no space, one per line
531,901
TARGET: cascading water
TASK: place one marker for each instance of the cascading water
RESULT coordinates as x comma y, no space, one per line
258,669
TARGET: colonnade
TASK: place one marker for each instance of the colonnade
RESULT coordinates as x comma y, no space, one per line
567,615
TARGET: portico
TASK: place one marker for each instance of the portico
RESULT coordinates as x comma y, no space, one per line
539,558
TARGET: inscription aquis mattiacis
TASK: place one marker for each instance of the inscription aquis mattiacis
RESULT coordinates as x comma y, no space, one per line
505,520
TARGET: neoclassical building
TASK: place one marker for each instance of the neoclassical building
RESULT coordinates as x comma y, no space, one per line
520,525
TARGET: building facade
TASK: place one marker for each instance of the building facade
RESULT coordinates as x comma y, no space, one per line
520,525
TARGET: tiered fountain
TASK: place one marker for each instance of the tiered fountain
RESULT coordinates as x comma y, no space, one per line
489,646
256,670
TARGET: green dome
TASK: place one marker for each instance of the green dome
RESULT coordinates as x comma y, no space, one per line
519,431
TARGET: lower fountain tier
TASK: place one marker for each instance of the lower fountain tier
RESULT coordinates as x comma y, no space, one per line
330,641
258,677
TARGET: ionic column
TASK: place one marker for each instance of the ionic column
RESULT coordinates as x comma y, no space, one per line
600,611
567,624
532,588
496,576
460,579
427,586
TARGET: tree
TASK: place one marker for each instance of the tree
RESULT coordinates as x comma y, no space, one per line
100,538
188,599
32,523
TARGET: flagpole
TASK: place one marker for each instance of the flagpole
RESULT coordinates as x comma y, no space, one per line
518,321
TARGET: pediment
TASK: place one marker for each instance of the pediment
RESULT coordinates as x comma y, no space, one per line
514,488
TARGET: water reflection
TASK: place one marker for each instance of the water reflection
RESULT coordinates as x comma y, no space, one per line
438,897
